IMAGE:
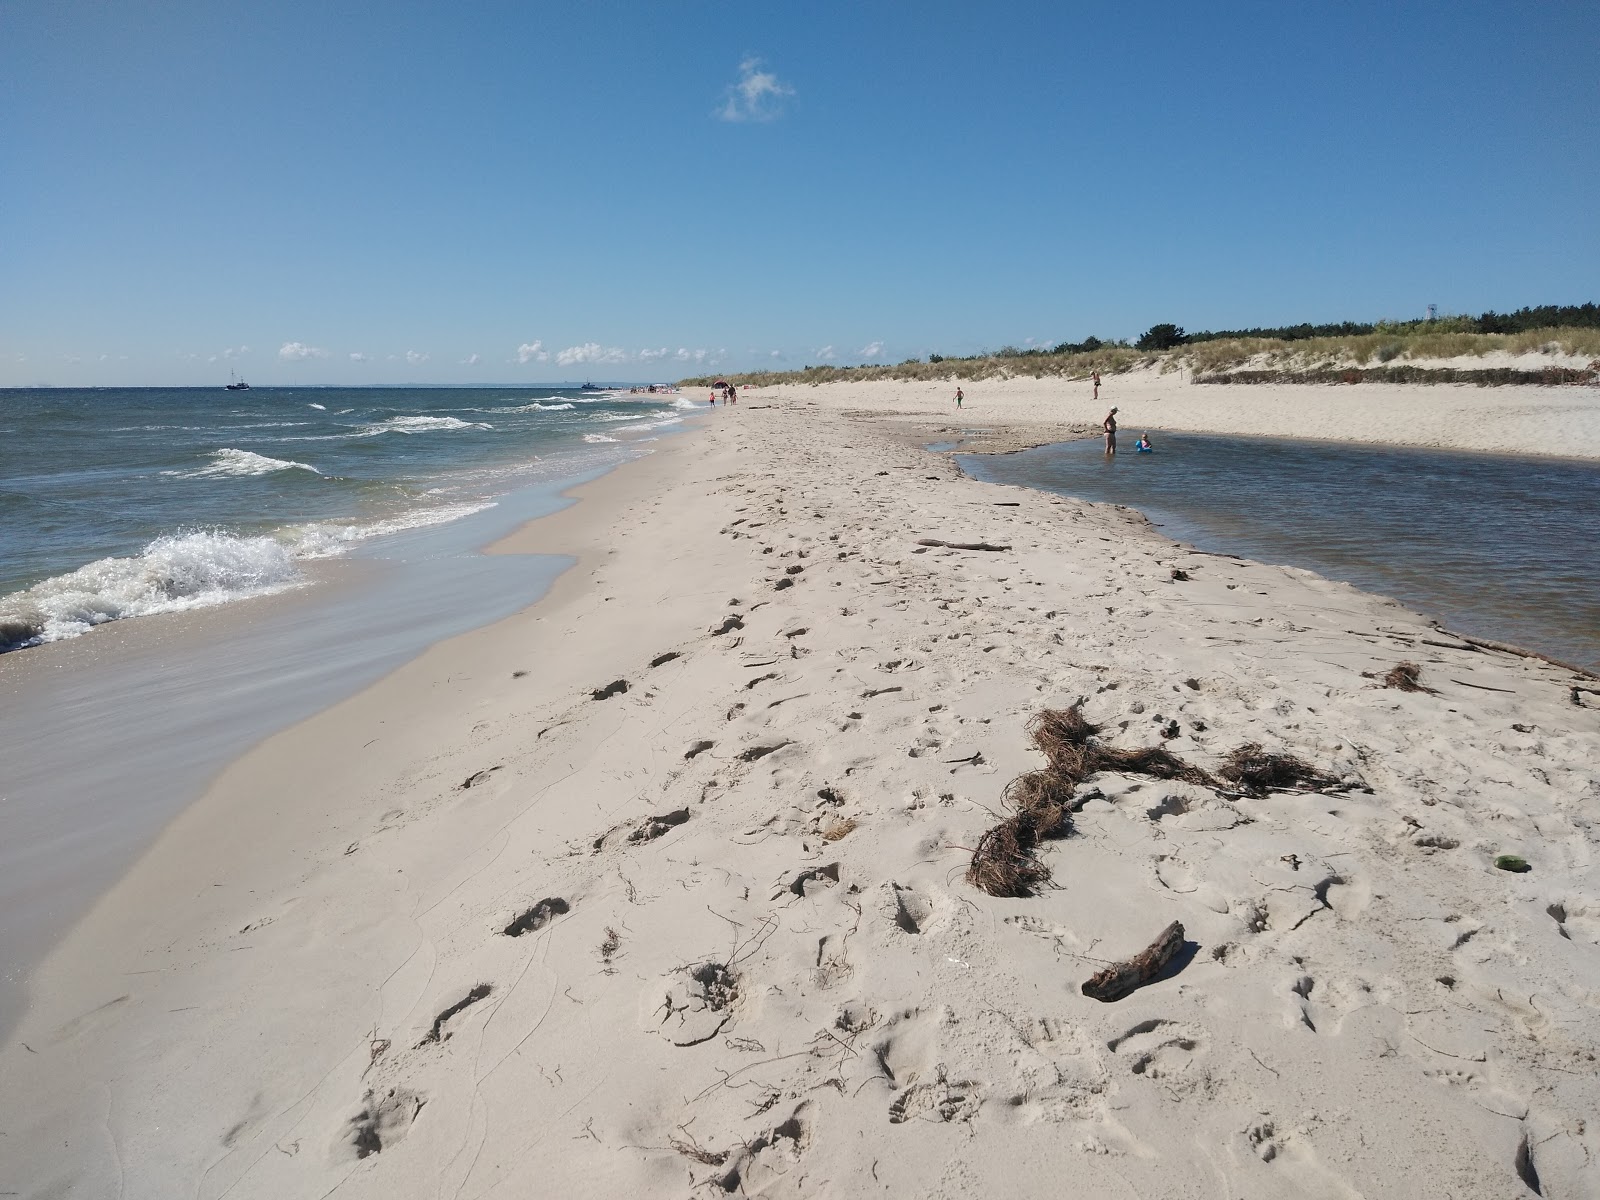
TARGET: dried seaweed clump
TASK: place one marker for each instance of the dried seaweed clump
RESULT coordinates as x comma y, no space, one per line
1063,735
1068,740
1254,773
1407,677
1045,798
1004,864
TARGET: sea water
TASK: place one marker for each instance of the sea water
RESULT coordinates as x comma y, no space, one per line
125,502
1498,546
367,508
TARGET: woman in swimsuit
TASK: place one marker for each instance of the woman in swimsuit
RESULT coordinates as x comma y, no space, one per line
1110,426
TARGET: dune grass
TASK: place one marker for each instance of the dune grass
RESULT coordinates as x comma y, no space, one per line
1409,343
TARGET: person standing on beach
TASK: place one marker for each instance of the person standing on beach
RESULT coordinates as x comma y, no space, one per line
958,397
1096,378
1110,426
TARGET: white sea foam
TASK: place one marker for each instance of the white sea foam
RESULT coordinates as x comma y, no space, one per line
423,425
532,406
241,463
643,425
174,572
329,539
322,407
597,437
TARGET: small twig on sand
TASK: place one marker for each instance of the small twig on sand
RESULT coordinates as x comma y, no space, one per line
960,545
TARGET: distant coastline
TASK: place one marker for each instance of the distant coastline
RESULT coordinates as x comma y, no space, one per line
1551,345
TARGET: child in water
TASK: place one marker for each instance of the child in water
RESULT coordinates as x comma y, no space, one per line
1143,445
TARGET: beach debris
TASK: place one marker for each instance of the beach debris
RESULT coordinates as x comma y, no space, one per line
537,917
1512,862
1255,773
1179,575
476,778
755,752
960,545
1407,677
518,674
838,829
1046,798
1004,864
437,1034
1122,978
699,1001
785,582
608,947
651,828
660,659
615,688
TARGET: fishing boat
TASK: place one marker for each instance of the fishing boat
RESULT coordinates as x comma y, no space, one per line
235,384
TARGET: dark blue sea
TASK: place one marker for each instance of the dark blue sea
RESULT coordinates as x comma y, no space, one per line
123,502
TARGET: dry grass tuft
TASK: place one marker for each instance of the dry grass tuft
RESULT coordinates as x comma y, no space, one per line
1407,677
1045,798
1063,735
838,829
1004,864
1255,773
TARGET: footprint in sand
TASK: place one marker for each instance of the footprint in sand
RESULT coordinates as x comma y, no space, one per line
381,1121
1158,1048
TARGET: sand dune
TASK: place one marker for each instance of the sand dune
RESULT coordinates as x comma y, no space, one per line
658,887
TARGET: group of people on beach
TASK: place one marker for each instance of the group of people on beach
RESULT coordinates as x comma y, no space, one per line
1109,425
730,394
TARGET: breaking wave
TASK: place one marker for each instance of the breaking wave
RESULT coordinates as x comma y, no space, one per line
423,425
241,463
174,572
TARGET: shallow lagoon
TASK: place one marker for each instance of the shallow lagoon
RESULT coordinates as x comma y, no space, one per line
1497,546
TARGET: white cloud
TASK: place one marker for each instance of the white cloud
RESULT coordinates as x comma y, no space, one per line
357,356
591,352
756,95
648,355
532,352
235,352
414,357
872,350
777,354
470,360
826,354
298,351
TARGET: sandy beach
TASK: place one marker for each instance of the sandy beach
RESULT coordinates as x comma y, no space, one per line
659,888
1556,421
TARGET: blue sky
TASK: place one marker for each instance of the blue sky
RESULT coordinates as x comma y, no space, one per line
488,191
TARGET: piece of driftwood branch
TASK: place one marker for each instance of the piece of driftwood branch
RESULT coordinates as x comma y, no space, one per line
1519,651
959,545
1117,980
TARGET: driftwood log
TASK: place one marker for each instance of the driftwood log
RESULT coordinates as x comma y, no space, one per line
959,545
1117,980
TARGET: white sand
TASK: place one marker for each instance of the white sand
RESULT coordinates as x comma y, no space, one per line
740,1004
1559,421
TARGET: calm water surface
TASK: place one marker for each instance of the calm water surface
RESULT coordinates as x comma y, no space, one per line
1501,547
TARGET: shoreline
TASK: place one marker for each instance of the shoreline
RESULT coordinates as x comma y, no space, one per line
1524,420
171,699
860,714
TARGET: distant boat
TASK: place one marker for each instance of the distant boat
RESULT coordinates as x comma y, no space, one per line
591,387
237,385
